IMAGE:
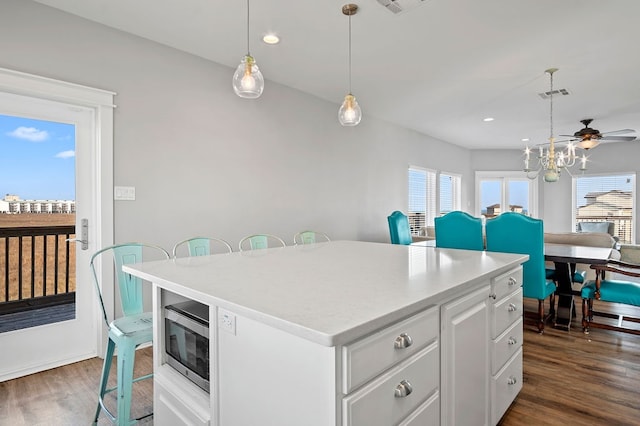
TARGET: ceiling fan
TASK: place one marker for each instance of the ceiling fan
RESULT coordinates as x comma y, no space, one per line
589,138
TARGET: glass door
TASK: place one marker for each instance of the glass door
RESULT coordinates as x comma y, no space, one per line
46,151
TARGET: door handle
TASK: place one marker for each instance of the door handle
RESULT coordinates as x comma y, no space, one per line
84,235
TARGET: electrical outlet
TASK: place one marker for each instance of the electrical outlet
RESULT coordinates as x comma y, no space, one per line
226,321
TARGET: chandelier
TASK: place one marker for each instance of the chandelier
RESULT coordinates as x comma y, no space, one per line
550,161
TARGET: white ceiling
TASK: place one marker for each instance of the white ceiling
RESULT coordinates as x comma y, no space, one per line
439,68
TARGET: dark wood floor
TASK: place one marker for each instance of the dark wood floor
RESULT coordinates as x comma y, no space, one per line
575,379
569,379
67,396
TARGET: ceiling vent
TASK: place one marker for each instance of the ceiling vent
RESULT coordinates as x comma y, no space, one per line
546,95
400,6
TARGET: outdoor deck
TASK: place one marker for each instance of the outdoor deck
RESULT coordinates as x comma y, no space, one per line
37,276
36,317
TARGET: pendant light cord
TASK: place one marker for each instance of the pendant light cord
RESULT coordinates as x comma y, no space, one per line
248,52
551,107
350,54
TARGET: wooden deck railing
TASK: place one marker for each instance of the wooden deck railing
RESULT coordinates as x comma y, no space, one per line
37,267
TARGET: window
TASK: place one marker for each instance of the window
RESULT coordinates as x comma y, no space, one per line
450,198
422,198
607,198
498,192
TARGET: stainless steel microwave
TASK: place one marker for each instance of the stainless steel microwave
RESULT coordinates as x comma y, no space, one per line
186,332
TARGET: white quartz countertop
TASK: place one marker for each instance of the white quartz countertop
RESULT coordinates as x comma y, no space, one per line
330,293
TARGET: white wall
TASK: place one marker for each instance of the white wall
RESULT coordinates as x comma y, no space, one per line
206,162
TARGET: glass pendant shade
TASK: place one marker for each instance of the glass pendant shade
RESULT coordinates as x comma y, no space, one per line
350,113
247,80
588,143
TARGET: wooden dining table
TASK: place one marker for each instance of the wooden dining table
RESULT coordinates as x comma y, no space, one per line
565,257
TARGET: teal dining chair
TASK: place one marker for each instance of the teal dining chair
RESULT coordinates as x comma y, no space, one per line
201,246
459,230
310,237
399,230
513,232
260,241
127,332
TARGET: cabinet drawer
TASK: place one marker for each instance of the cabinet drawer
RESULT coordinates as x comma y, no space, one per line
376,404
506,312
507,283
505,387
368,357
506,345
171,411
428,414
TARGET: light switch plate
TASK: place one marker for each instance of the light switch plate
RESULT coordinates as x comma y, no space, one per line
126,193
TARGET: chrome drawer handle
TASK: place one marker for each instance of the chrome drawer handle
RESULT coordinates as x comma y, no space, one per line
512,380
403,389
512,281
512,341
512,307
403,341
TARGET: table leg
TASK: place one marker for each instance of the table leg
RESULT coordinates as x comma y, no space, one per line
564,293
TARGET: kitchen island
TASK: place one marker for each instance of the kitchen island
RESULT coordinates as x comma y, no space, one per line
344,333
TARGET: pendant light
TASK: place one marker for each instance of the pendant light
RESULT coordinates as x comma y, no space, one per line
349,113
247,80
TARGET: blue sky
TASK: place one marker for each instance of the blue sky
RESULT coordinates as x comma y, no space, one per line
602,184
37,159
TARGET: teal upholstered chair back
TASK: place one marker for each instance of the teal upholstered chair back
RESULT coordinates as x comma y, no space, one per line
516,233
459,230
130,287
399,230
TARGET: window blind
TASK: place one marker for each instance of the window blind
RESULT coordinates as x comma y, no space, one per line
607,198
450,198
422,198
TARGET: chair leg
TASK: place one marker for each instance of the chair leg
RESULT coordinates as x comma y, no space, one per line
106,369
585,316
126,361
552,302
541,316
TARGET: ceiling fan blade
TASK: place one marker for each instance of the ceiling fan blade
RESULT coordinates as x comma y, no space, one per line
618,132
562,142
569,136
617,138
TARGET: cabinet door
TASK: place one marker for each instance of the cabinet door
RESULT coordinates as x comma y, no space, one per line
465,359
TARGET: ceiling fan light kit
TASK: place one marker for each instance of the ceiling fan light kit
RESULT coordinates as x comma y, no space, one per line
551,162
590,138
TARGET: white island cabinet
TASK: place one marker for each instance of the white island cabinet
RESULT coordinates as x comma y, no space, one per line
344,333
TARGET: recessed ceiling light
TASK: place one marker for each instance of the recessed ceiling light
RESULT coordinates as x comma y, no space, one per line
488,119
525,139
271,39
